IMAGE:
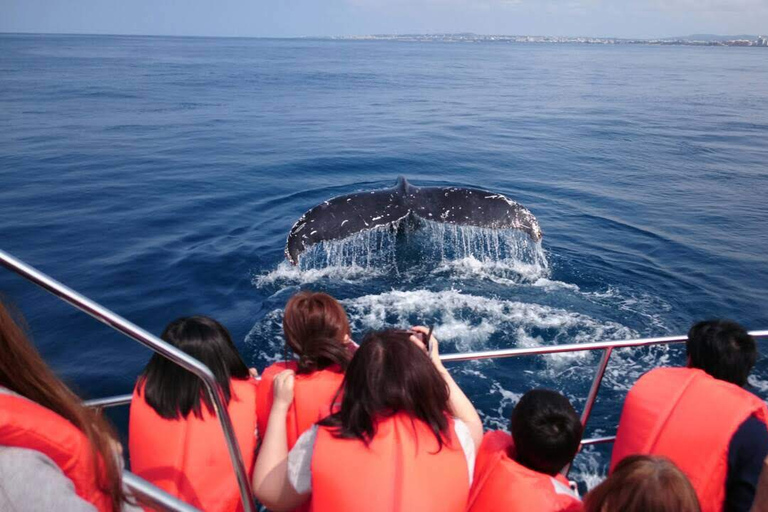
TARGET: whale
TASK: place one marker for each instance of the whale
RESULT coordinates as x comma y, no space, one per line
349,214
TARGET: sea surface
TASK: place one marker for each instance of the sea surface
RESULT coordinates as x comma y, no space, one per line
160,177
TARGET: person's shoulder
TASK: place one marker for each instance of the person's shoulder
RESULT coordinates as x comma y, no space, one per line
23,472
496,440
275,368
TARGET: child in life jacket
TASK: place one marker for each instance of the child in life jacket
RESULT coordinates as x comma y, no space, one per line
317,331
521,472
175,438
403,438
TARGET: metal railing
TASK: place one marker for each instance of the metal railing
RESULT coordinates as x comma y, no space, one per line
157,345
148,494
201,371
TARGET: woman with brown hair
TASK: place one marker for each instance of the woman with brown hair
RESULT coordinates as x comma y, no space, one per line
55,453
403,438
317,331
643,483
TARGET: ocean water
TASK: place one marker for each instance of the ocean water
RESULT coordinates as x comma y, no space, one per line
160,177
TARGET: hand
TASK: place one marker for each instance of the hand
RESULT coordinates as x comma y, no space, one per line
283,389
349,341
417,339
254,373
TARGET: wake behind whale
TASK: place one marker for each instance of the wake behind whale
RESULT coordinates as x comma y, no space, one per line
348,215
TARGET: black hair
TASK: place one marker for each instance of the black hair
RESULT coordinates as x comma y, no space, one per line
723,349
546,431
390,374
172,391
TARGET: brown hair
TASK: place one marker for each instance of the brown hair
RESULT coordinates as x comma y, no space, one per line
643,483
23,371
389,374
315,327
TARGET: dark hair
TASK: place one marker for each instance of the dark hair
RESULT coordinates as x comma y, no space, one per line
643,483
546,431
171,390
723,349
23,371
315,327
389,374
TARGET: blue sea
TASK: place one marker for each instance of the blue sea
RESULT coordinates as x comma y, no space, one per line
160,177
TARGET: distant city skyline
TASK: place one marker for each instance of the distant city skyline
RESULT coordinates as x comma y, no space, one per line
626,19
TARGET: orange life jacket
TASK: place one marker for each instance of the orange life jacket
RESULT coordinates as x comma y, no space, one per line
312,397
401,470
188,457
502,485
26,424
690,417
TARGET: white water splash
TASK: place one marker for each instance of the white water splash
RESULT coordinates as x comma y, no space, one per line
470,320
459,242
505,257
285,273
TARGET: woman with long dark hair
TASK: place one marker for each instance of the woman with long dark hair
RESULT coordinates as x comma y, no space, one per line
317,331
55,453
403,438
175,439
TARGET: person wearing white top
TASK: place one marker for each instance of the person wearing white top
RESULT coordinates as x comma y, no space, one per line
397,399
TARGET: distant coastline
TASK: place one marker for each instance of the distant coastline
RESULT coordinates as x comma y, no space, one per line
694,40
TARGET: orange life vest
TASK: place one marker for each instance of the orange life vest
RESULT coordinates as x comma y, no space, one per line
690,417
312,397
503,485
401,470
188,458
26,424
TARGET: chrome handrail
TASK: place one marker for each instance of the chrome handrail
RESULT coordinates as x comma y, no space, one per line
109,401
154,343
153,496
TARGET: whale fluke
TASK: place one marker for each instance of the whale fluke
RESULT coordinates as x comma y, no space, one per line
346,215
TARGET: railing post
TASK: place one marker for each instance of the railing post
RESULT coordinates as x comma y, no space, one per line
593,391
154,343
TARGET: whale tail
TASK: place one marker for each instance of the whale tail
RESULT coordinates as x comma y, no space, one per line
346,215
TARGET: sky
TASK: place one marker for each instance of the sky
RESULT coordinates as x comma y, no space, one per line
297,18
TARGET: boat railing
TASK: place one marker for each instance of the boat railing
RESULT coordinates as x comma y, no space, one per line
122,325
140,488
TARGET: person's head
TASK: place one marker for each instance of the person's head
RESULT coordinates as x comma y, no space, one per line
546,431
317,330
172,391
723,349
23,371
389,374
643,483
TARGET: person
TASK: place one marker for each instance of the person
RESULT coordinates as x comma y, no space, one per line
316,329
643,483
702,418
55,453
403,438
175,438
521,472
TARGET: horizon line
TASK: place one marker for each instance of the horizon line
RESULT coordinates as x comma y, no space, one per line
338,36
